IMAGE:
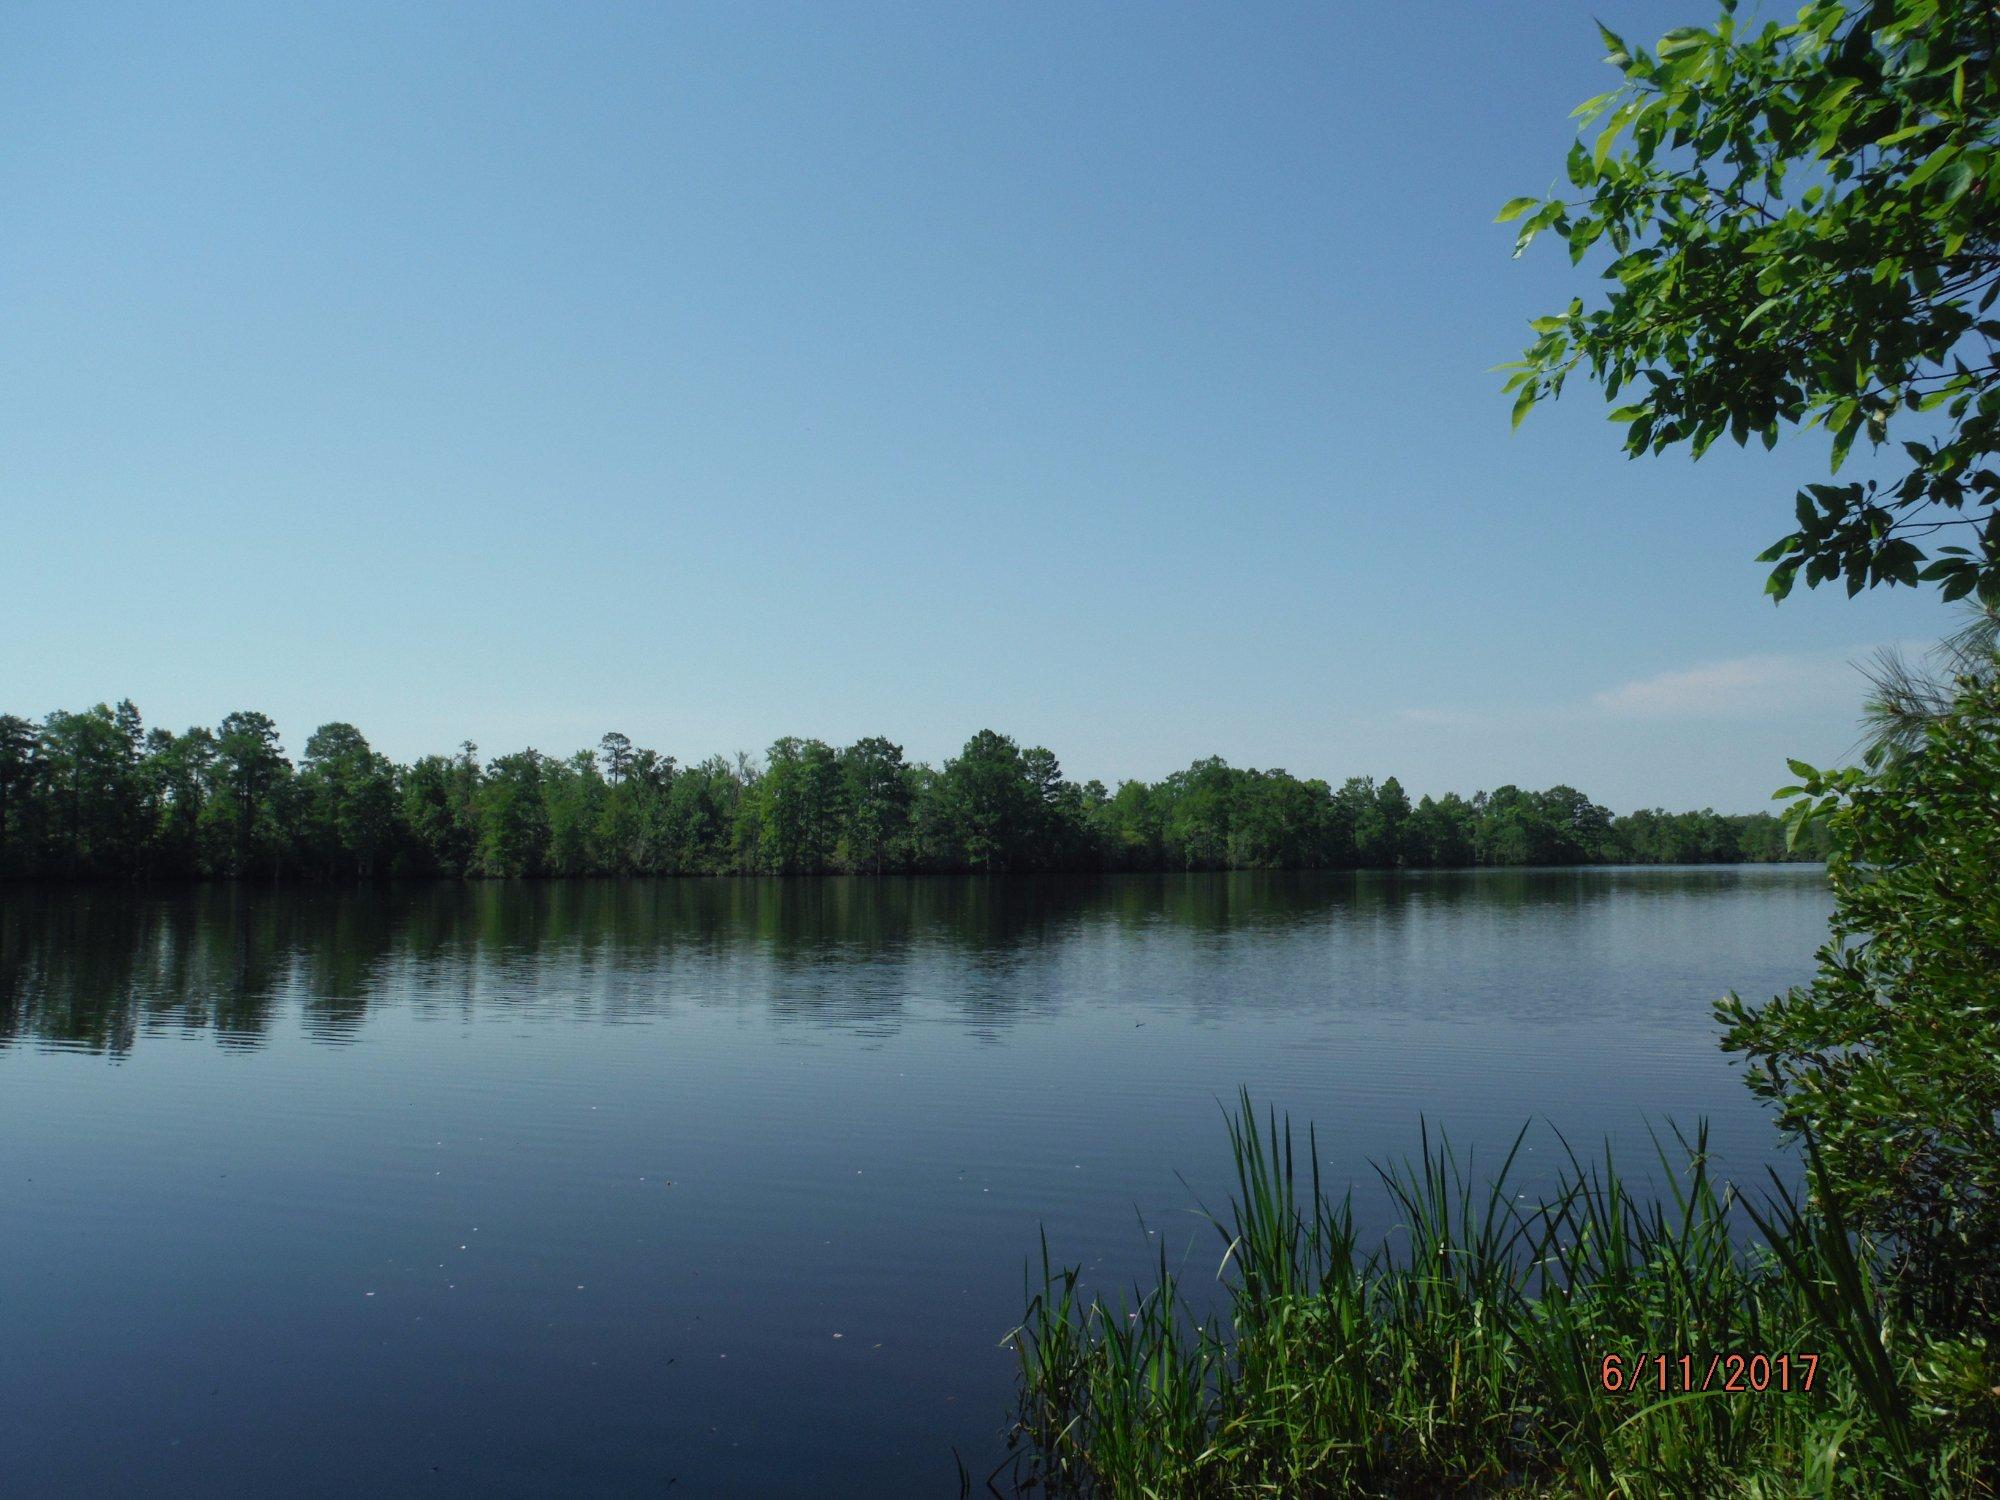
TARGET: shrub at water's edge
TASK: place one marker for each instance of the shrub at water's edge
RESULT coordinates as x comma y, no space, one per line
1890,1058
1494,1346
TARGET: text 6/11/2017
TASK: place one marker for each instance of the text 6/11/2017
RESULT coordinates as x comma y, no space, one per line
1675,1373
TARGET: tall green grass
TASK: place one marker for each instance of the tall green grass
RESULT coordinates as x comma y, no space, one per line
1465,1355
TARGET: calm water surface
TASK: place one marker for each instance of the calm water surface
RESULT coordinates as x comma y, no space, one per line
726,1187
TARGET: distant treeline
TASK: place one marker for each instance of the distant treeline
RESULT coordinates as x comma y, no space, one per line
96,795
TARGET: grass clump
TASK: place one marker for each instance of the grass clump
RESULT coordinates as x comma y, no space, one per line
1468,1353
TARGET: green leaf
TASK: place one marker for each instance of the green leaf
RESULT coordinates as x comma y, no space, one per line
1521,404
1936,162
1540,220
1784,546
1763,307
1795,822
1594,106
1609,135
1513,208
1683,39
1897,137
1837,93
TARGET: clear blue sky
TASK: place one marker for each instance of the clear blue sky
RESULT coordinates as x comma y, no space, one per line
1118,377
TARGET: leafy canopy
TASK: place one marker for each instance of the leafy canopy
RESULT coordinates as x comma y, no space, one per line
1803,220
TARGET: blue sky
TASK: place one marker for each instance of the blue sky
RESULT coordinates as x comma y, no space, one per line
1118,377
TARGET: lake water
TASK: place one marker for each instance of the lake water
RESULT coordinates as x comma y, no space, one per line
727,1187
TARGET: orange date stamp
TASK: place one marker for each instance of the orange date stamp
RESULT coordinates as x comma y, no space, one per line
1676,1374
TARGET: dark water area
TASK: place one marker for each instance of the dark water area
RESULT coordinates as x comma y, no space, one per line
717,1187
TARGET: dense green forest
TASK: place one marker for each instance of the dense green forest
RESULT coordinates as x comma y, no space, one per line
95,794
